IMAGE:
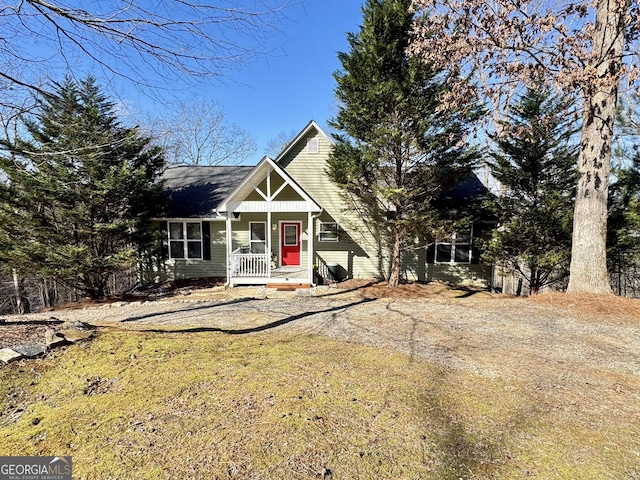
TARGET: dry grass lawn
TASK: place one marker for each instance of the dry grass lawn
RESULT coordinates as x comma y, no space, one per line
176,401
137,405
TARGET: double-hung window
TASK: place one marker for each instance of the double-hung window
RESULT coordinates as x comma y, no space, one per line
185,240
456,248
258,237
328,232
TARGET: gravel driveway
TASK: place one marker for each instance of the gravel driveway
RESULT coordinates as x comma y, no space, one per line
481,334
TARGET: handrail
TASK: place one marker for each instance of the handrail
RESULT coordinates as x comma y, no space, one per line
249,264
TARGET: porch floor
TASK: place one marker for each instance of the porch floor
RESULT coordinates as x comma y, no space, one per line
296,277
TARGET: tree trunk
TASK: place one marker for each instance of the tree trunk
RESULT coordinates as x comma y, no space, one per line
22,302
396,259
534,281
588,272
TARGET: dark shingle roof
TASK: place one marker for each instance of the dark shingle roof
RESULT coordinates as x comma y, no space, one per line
197,191
468,190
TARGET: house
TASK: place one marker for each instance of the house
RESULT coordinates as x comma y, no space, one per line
284,222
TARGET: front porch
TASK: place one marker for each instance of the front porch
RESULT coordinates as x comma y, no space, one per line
269,229
259,269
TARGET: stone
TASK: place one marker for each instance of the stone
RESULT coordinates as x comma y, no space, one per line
31,350
53,339
8,355
74,336
77,325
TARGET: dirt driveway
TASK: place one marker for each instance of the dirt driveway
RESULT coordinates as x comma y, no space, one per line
555,340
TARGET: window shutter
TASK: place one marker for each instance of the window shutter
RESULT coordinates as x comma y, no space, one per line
475,250
164,228
431,252
206,241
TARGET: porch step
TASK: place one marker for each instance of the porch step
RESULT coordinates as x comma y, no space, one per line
288,286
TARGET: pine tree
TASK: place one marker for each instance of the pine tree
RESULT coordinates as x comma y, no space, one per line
535,162
623,225
398,146
80,190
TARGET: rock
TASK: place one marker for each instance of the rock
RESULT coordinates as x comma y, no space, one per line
31,350
77,325
74,336
53,339
8,355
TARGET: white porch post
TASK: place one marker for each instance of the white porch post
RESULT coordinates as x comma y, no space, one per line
310,237
229,248
268,232
268,235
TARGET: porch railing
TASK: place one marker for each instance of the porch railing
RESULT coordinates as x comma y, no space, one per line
249,264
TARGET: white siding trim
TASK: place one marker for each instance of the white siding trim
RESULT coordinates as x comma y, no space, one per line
276,206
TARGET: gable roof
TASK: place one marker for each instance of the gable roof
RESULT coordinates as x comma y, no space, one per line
258,173
467,195
467,190
311,125
197,191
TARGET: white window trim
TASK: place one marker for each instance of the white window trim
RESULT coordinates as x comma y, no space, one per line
251,240
295,225
452,249
324,239
185,241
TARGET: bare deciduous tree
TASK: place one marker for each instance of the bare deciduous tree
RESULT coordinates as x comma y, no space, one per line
580,46
130,39
199,134
276,145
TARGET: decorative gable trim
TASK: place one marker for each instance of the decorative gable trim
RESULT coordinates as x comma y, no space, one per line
236,203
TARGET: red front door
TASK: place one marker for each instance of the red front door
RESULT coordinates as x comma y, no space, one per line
290,244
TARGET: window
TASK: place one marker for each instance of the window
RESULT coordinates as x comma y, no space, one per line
290,235
185,240
455,248
258,237
313,145
328,232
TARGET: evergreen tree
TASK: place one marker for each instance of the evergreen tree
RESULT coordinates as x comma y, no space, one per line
535,162
623,226
398,145
623,221
81,189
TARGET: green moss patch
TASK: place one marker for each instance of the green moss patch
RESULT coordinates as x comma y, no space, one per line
209,405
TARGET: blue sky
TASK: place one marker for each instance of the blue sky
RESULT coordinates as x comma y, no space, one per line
273,94
285,90
281,92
